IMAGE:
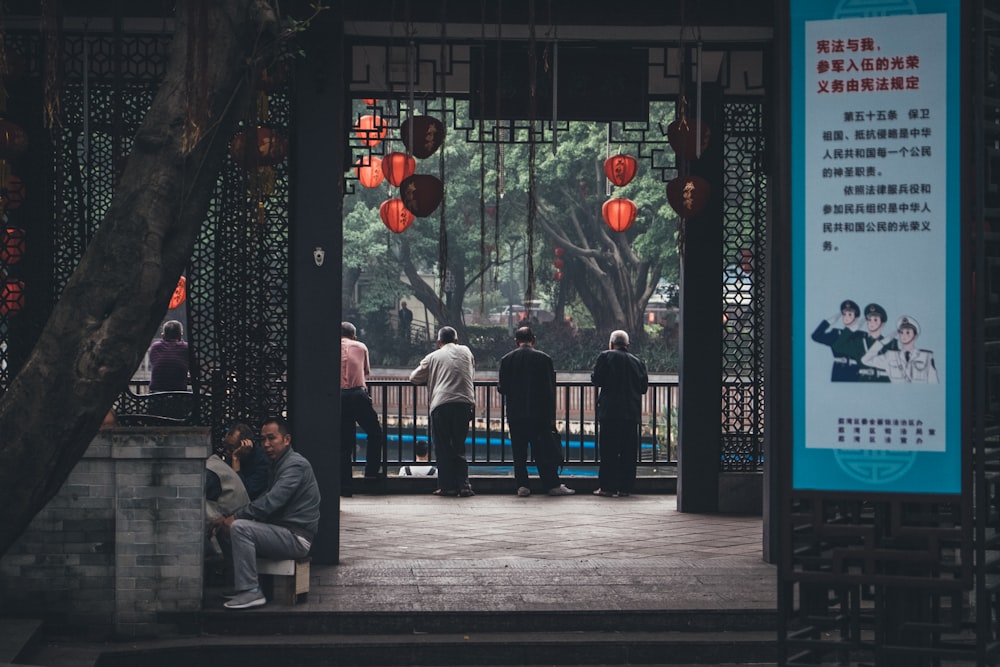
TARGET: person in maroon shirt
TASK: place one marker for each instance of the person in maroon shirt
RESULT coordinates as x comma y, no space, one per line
169,360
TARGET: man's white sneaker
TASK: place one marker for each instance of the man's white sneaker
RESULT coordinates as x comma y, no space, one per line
561,490
523,491
247,599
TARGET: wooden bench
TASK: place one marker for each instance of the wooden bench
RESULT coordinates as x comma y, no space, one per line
287,581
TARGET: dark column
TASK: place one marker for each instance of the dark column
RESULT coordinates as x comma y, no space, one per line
316,212
778,376
701,327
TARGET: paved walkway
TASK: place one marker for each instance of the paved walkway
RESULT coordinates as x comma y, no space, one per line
501,552
495,553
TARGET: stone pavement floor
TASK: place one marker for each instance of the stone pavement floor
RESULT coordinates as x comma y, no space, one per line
503,553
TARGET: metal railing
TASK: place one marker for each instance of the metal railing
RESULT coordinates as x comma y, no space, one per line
403,412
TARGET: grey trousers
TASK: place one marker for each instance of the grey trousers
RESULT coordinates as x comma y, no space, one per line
251,539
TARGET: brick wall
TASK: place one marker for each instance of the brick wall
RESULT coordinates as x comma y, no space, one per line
118,551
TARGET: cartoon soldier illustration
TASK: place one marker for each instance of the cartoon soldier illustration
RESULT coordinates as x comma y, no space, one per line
845,369
856,345
900,356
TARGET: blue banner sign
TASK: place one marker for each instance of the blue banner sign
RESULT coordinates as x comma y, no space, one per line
876,266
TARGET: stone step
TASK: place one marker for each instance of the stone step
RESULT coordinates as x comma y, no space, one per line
273,620
493,649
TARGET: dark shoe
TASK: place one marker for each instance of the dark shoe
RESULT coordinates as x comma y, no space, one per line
621,494
466,493
604,494
450,493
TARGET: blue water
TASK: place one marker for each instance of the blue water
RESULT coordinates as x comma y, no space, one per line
480,447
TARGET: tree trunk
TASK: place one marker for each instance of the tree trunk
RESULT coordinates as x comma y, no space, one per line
114,301
611,280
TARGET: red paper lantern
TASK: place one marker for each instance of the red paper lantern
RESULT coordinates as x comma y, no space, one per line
397,167
428,135
370,130
258,147
558,263
557,276
12,245
180,293
421,193
12,193
13,140
619,213
621,169
395,215
683,139
369,170
370,101
688,195
559,251
11,296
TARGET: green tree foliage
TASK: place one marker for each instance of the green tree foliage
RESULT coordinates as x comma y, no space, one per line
608,277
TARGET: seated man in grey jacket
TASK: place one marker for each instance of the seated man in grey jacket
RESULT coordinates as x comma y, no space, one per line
280,523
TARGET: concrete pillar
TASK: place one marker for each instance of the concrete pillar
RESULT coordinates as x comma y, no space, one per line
701,326
317,178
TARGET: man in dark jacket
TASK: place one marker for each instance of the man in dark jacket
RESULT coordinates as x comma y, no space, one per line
623,380
280,524
247,458
528,382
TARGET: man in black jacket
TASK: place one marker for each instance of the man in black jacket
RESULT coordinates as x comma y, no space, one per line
623,380
528,382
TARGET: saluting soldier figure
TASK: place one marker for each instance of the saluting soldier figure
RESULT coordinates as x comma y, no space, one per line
856,345
845,369
900,356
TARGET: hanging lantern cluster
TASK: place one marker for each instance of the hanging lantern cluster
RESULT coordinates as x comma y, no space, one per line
419,194
619,213
557,264
13,239
687,194
259,147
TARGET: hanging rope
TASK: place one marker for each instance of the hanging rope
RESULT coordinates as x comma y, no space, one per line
499,137
482,159
529,287
442,225
681,162
552,63
51,33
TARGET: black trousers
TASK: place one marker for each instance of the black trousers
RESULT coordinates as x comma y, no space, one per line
618,446
544,447
449,427
356,408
